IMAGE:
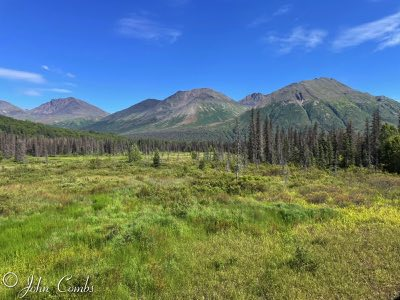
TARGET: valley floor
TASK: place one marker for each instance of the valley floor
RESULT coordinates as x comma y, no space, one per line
178,232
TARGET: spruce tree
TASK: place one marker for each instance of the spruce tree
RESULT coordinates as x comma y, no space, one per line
156,159
258,138
335,150
375,138
134,154
398,123
348,146
20,150
251,141
238,149
366,149
268,140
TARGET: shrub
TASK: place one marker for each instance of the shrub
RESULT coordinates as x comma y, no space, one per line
99,202
293,213
302,261
194,155
134,154
318,197
94,163
202,164
156,159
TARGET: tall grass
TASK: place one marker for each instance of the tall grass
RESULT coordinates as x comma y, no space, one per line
178,232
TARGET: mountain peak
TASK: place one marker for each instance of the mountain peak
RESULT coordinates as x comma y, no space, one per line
252,100
8,109
325,101
64,109
183,110
198,95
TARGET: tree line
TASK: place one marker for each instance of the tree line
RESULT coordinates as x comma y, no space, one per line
378,146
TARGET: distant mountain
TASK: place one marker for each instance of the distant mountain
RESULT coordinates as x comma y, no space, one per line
252,100
8,109
185,111
204,114
57,111
325,101
65,109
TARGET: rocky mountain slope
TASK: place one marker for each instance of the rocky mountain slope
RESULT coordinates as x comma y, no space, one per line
8,109
324,101
206,114
57,111
185,110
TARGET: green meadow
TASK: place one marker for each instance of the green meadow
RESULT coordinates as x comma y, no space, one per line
179,232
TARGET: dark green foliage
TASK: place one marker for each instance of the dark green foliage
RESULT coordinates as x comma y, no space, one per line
95,163
202,164
251,144
348,147
327,150
302,261
390,148
134,154
20,150
28,128
156,159
291,214
375,138
194,155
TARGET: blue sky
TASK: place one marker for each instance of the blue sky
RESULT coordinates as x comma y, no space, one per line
117,53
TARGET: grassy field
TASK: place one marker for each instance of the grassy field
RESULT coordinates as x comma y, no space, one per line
178,232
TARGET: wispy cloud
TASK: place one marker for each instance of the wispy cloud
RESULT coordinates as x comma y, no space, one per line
144,28
57,90
57,71
299,38
21,75
283,10
32,93
71,84
384,32
259,21
39,92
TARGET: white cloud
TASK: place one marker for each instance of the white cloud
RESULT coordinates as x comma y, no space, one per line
141,27
298,38
21,75
283,10
39,92
57,90
385,32
58,71
259,21
32,93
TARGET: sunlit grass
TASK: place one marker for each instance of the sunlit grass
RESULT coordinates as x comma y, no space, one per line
179,232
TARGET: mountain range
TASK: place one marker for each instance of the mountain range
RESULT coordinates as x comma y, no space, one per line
325,101
206,114
62,112
184,113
